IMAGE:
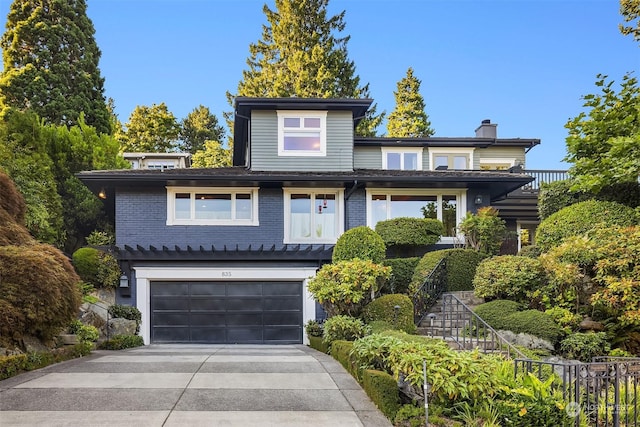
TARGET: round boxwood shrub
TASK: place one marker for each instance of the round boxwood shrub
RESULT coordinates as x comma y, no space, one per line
359,242
508,277
401,273
580,218
383,308
496,312
96,267
406,231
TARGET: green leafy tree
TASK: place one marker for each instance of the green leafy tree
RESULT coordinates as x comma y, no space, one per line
408,119
199,127
50,61
483,231
151,130
630,10
604,143
214,155
302,54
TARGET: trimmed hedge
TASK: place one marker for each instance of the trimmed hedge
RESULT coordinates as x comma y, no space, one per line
461,268
120,342
382,389
496,312
424,267
536,323
580,218
508,277
407,231
341,351
401,273
383,309
359,242
316,343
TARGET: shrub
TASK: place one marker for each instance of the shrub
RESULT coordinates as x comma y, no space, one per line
126,312
383,308
531,251
313,329
426,264
317,344
15,364
341,351
359,242
401,273
564,317
96,267
347,286
558,195
406,231
483,231
377,326
461,268
85,333
120,342
496,312
536,323
580,218
39,293
345,328
585,346
508,277
382,389
100,238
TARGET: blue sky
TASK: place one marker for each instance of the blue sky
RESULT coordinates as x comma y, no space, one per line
523,64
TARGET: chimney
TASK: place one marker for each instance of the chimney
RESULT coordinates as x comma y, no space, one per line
486,130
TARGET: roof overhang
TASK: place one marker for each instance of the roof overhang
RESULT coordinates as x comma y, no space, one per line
494,183
444,142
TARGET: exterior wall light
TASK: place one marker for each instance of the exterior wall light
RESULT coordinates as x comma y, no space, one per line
124,281
478,199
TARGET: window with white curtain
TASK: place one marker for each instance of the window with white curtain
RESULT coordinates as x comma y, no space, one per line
313,216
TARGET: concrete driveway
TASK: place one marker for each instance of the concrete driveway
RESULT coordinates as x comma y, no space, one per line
190,385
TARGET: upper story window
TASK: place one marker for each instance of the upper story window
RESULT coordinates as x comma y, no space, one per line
402,158
312,216
161,164
451,158
212,206
302,133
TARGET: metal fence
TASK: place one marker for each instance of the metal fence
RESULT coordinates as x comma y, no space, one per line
432,287
604,392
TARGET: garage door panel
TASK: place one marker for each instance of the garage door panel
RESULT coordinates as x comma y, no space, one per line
208,319
281,289
283,303
226,312
209,304
171,319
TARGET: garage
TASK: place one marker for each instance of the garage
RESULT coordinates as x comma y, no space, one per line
231,312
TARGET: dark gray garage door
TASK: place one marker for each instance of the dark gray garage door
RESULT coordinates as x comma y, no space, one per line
226,312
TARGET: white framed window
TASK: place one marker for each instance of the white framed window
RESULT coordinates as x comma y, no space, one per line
447,205
212,206
313,216
495,164
302,133
452,158
402,158
161,164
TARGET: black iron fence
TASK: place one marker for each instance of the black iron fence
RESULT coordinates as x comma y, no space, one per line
432,287
543,176
602,393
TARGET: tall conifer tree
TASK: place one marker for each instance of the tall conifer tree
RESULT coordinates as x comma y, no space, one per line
409,119
50,59
300,54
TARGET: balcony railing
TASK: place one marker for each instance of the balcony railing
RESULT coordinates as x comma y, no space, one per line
541,176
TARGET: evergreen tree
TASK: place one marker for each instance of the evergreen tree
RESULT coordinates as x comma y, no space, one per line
50,61
408,119
150,130
199,127
301,55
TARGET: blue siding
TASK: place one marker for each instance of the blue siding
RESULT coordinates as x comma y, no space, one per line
141,220
356,208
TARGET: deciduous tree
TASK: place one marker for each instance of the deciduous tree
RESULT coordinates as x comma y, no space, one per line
604,143
214,155
409,119
630,10
50,61
302,54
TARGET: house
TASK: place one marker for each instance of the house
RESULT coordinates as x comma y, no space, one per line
158,160
224,255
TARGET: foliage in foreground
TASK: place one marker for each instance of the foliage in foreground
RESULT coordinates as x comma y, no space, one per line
16,364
